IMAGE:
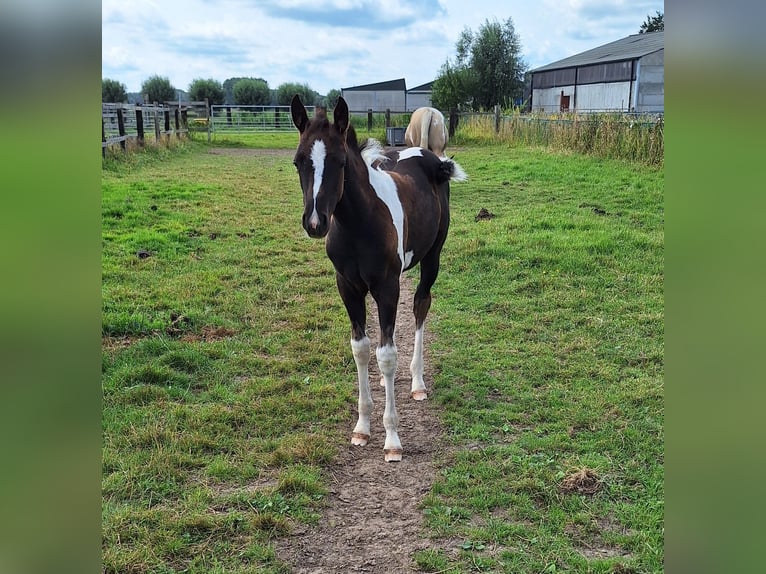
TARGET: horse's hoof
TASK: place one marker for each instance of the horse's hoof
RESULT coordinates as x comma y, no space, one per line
359,439
393,454
419,395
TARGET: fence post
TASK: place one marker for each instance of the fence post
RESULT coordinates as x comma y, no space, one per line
140,126
388,118
178,123
453,120
166,114
369,119
185,121
156,123
497,118
103,137
121,128
228,115
209,118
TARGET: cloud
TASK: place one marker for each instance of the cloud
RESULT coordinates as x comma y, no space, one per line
366,14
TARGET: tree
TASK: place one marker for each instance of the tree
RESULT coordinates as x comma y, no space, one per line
113,91
286,91
488,69
228,87
252,92
211,89
158,89
454,88
331,99
653,23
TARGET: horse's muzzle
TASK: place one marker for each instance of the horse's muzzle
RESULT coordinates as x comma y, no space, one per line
316,227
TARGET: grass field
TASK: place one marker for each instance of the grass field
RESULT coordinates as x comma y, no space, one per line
228,382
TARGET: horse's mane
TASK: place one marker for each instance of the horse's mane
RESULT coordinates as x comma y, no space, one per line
372,151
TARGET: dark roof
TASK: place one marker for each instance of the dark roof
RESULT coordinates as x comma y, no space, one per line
428,87
390,86
629,48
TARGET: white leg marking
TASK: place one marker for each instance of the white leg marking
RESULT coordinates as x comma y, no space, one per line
361,351
418,391
392,448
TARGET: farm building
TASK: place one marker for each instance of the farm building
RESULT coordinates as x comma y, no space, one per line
419,97
392,95
625,75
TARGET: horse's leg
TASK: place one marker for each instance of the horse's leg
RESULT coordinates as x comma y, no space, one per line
387,300
429,269
353,298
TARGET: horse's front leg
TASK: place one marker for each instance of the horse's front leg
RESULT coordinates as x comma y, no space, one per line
386,355
353,298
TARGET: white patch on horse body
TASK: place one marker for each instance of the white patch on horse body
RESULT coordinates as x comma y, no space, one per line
410,152
318,154
385,189
407,259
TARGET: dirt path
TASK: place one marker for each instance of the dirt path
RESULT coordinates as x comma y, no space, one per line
372,521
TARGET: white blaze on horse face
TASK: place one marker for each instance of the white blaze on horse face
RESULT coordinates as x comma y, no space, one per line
318,154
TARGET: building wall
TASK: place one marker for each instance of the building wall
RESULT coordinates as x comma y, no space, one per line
650,83
549,99
418,100
378,101
614,96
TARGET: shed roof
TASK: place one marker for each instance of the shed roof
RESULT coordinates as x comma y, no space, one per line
391,85
427,87
629,48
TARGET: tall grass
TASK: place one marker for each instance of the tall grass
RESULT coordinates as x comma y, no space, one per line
607,135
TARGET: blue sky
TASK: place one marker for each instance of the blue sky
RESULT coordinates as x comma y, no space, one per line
339,43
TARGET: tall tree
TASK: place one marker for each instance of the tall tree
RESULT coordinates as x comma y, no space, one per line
286,91
331,99
454,88
653,23
211,89
113,91
252,92
158,89
488,69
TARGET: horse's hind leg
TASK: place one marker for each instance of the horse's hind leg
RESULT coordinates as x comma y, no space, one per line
353,299
429,269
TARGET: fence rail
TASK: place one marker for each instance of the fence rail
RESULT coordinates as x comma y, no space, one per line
122,123
235,119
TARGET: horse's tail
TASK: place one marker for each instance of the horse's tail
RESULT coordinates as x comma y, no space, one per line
425,127
449,169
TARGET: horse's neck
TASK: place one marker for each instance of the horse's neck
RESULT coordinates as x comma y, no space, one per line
356,205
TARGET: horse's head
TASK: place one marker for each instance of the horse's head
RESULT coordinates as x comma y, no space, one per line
320,160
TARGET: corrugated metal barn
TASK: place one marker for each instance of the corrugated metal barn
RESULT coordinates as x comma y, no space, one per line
419,97
626,75
379,97
392,95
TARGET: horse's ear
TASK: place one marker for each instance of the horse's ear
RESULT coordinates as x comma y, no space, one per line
300,117
340,115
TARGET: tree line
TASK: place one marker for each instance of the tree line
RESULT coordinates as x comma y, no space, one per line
238,91
488,70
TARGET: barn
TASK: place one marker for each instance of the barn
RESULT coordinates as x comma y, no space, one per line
626,75
419,97
391,95
379,97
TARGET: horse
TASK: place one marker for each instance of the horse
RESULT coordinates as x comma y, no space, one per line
380,214
427,130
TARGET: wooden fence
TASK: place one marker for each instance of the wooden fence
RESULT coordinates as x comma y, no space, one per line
121,123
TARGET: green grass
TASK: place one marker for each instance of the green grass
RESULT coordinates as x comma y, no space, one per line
228,382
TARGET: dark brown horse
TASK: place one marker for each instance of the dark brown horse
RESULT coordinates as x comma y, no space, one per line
381,214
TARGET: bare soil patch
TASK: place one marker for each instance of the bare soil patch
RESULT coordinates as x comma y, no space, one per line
372,521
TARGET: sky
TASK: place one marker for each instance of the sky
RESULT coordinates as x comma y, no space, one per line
335,44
